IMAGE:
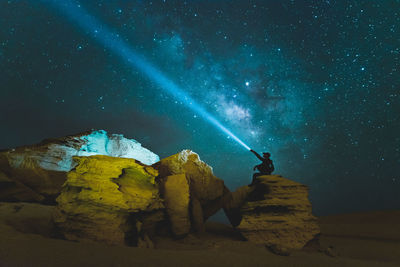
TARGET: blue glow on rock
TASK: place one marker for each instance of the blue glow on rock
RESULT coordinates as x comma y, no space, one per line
116,44
115,145
95,144
59,156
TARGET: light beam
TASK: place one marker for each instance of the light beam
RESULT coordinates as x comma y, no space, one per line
117,45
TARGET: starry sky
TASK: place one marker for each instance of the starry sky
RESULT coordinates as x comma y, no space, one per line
316,83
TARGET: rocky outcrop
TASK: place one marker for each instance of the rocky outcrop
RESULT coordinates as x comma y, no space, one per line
278,214
29,218
15,191
108,199
121,201
110,193
203,182
177,200
233,203
207,193
36,173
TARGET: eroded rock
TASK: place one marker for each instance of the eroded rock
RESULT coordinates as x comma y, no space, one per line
28,218
121,201
177,198
207,192
278,214
233,203
36,173
15,191
108,199
203,182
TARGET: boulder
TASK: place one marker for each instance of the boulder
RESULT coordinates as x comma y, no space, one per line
28,218
108,199
176,195
201,179
278,214
15,191
234,201
36,173
110,193
207,193
122,201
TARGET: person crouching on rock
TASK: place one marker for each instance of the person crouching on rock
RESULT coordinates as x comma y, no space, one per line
265,168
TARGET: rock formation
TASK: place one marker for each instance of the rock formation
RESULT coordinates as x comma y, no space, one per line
111,193
234,202
114,200
36,173
177,200
29,218
184,177
278,214
121,201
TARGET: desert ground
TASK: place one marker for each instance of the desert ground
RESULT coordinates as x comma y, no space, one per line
357,239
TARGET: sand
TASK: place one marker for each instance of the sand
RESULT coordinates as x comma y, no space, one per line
358,239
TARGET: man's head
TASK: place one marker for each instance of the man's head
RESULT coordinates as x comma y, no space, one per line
266,155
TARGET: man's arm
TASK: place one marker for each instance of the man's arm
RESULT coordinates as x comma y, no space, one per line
257,155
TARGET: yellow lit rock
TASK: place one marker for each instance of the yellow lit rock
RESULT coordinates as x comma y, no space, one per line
207,193
176,195
203,183
26,179
278,214
101,197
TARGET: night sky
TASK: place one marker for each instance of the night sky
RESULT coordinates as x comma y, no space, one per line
316,83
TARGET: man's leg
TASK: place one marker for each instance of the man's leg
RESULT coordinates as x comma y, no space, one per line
255,175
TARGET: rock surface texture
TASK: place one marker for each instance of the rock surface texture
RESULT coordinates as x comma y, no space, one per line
207,193
108,199
107,190
121,201
36,173
278,214
177,200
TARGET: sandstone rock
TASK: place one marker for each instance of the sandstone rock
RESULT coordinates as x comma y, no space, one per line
29,218
108,199
14,191
277,213
234,202
207,192
202,181
121,201
176,195
36,173
27,180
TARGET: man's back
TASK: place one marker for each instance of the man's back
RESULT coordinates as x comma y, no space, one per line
266,166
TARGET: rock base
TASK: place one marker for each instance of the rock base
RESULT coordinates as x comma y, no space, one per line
278,214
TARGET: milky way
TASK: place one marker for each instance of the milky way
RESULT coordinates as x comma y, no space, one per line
316,83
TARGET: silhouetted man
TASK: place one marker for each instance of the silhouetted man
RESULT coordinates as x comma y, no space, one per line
265,168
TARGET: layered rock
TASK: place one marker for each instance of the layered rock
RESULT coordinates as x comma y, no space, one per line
177,200
207,193
36,173
15,191
233,203
29,218
108,199
108,194
278,214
